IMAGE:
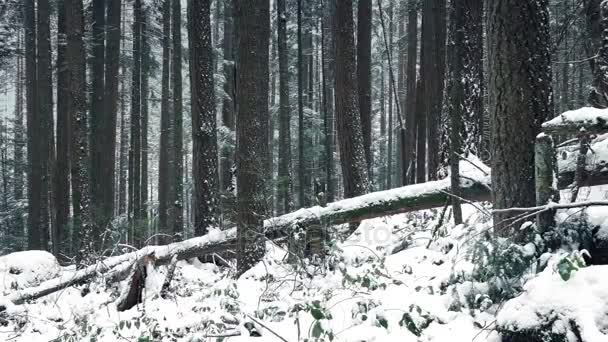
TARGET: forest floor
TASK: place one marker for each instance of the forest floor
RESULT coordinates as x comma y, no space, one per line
410,277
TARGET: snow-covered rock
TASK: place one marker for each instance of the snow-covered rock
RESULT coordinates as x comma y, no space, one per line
558,309
23,269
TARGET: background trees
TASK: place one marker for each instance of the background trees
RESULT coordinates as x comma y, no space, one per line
143,176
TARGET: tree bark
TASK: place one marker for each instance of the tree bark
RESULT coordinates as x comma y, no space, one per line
99,138
177,200
145,93
81,195
519,92
111,98
44,118
364,74
204,136
228,105
410,104
252,131
433,43
135,145
164,163
352,152
19,162
284,184
391,121
329,65
61,182
301,119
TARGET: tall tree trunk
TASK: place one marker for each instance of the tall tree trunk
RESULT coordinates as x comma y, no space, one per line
164,163
352,151
177,200
145,93
301,128
81,196
44,118
34,175
18,166
252,130
519,92
99,138
112,66
400,98
389,147
434,15
124,133
135,145
364,74
228,105
284,175
410,104
329,65
204,136
61,183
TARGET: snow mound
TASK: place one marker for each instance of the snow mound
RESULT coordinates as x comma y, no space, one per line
23,269
554,308
585,116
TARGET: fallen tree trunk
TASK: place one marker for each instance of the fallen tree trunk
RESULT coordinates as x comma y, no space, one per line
593,120
383,203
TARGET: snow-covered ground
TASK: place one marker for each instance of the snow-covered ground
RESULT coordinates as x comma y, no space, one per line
399,278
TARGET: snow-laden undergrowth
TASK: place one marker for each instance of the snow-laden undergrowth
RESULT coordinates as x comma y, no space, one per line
400,278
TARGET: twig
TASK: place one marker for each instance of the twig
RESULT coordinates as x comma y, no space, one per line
267,328
554,206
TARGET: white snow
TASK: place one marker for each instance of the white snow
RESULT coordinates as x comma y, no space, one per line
24,269
586,116
583,299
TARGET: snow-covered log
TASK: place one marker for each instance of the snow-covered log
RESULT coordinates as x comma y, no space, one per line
593,120
475,186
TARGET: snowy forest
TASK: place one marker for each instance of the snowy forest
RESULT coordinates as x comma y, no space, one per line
304,170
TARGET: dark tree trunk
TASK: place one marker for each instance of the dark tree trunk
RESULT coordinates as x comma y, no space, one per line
98,136
135,145
34,175
352,152
112,66
400,98
382,172
389,147
364,74
410,104
61,182
329,67
284,174
204,136
465,79
434,25
145,93
228,105
81,196
301,128
177,200
164,164
420,129
252,130
519,92
19,162
124,133
44,108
